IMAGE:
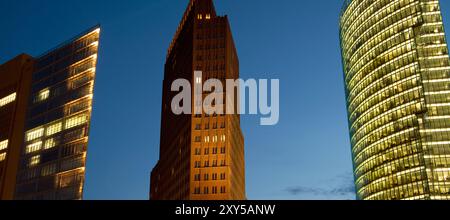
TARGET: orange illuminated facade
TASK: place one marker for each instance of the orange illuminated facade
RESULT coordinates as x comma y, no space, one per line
201,155
15,81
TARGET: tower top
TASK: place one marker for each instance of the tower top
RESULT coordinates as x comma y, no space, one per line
196,7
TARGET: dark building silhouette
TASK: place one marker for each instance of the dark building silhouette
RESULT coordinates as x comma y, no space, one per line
201,155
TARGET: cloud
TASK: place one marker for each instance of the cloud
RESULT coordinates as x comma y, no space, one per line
340,186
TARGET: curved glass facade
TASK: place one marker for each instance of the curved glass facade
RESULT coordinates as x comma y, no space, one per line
397,79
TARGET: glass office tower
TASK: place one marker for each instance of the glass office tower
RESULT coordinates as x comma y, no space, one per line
52,163
397,78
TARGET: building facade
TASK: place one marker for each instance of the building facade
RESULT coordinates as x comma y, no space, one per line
45,112
397,78
15,81
201,155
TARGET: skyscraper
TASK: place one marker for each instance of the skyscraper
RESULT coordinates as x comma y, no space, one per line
48,124
15,81
397,78
201,155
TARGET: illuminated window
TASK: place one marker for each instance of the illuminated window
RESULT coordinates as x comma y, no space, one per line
199,16
34,134
54,128
75,121
50,143
42,95
198,80
206,139
214,138
3,144
35,160
208,16
33,147
8,99
223,138
2,156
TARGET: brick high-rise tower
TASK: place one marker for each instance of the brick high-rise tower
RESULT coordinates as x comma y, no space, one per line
201,155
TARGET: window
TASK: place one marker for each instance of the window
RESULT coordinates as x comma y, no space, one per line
198,80
8,99
214,176
223,163
206,151
207,163
33,147
222,176
197,177
35,160
48,170
214,190
198,151
3,144
198,139
223,138
2,156
197,164
42,95
214,163
214,139
75,121
197,190
35,134
199,16
222,189
208,16
206,190
207,139
206,177
50,143
215,150
54,128
222,150
198,127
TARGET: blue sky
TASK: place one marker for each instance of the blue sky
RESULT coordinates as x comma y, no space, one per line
305,156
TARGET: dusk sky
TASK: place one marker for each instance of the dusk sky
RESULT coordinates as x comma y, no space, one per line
306,156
